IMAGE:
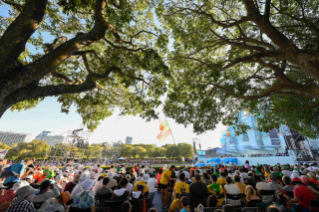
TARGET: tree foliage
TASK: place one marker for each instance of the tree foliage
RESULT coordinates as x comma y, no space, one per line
103,54
230,55
24,150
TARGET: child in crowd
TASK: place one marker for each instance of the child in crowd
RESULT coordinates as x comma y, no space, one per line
184,202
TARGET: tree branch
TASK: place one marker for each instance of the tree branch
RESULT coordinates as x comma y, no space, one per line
21,29
267,10
14,5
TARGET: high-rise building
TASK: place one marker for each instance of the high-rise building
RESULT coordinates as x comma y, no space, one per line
128,140
10,138
50,138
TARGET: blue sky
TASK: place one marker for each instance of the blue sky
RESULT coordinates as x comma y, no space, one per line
47,116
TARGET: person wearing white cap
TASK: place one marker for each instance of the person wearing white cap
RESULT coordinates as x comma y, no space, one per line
143,182
113,183
85,200
21,203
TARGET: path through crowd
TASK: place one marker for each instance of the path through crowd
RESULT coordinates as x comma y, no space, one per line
157,202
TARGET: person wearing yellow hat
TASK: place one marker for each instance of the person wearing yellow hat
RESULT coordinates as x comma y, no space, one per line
56,204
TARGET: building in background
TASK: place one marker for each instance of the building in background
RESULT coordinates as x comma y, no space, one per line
51,138
128,140
10,138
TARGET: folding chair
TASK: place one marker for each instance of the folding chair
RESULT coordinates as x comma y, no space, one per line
249,209
234,197
314,203
211,209
267,193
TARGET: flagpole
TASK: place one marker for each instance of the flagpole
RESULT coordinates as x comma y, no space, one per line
171,131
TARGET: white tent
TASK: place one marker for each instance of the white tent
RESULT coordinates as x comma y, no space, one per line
122,158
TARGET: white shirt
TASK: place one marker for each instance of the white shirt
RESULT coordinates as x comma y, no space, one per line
129,188
187,175
152,183
232,189
286,173
243,175
264,186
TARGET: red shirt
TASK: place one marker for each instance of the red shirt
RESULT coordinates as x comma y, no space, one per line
69,187
137,169
315,181
305,195
158,176
8,196
190,171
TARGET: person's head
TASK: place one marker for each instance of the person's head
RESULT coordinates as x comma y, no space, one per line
259,168
106,181
247,161
240,169
123,183
197,177
286,180
128,177
172,168
228,180
77,178
225,172
126,206
276,169
273,208
160,170
2,189
22,193
181,176
257,179
266,168
212,201
205,176
311,175
228,208
184,201
237,178
284,200
140,188
249,191
222,174
273,178
152,210
213,178
45,186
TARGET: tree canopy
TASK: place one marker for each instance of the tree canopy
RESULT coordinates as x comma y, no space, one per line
227,56
102,54
231,55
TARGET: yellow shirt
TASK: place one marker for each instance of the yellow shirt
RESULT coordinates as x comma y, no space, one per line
181,187
241,187
146,189
221,181
267,175
176,204
167,174
220,201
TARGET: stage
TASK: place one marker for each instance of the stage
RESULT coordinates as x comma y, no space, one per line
270,160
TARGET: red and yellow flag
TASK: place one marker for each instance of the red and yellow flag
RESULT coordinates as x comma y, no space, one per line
165,131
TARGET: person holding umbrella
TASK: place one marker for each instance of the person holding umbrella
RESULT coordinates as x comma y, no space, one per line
20,204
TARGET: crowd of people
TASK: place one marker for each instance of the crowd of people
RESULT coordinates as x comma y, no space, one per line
282,188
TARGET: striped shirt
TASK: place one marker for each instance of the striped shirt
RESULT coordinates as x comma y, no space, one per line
23,206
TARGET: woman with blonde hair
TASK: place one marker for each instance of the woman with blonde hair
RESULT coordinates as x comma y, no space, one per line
251,198
267,171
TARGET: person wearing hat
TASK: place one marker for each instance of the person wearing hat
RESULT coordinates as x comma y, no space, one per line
70,185
56,204
21,203
3,196
85,200
314,187
143,182
302,194
120,193
193,168
47,190
129,186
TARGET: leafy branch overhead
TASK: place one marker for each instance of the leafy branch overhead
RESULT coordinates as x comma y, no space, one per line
250,54
104,54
